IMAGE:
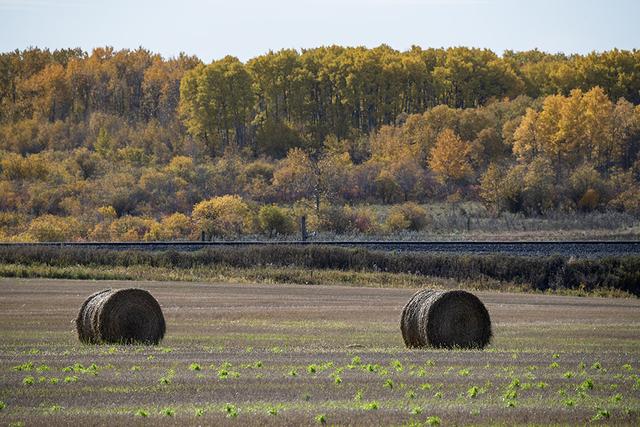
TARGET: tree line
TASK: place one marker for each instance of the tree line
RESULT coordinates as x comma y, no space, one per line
114,141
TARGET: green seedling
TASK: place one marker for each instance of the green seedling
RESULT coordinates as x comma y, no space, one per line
464,372
141,413
601,414
231,410
371,406
472,392
433,421
168,412
616,398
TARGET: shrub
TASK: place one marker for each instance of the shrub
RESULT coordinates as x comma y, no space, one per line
396,222
51,228
589,201
585,187
173,227
362,219
408,216
335,219
131,228
628,201
275,221
224,216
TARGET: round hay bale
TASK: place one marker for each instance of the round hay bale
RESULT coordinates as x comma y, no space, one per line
445,319
123,316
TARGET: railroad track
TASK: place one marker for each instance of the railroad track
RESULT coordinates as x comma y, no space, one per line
579,249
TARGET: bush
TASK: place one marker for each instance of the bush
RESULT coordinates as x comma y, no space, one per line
347,220
589,200
173,227
131,228
51,228
408,216
224,216
275,221
335,219
363,220
628,201
396,222
585,187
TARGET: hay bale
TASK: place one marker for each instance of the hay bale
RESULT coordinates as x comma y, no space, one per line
445,319
124,316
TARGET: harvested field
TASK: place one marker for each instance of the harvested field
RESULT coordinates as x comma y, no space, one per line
254,354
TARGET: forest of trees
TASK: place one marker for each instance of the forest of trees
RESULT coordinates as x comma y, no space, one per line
127,145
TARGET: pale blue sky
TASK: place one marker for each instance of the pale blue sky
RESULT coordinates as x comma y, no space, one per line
246,28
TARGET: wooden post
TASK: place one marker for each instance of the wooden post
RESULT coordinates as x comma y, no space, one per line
202,236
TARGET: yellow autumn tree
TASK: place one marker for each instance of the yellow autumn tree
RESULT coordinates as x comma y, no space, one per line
451,158
598,127
547,129
526,144
570,139
224,216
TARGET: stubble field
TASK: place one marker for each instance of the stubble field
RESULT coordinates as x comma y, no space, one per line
242,354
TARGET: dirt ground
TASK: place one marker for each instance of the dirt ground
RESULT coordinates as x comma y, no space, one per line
242,354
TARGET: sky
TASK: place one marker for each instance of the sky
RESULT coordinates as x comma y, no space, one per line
247,28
